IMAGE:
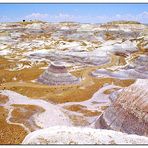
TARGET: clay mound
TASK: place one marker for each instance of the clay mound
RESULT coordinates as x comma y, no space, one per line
137,69
57,74
79,135
129,113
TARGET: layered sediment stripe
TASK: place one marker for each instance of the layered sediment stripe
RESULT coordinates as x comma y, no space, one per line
129,113
57,74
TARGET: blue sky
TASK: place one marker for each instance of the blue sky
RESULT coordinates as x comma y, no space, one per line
91,13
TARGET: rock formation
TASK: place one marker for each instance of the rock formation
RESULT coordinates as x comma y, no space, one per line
57,74
78,135
129,113
136,69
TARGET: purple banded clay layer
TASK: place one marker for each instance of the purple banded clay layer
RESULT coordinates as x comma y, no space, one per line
57,74
129,113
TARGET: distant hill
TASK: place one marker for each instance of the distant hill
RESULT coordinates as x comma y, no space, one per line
66,22
123,22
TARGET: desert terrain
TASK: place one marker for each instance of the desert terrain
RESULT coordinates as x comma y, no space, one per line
74,75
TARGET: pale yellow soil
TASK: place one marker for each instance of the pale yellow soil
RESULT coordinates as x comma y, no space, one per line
10,134
23,113
3,99
84,111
